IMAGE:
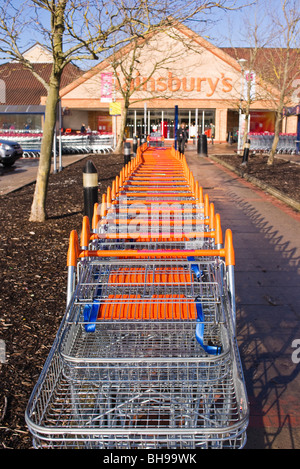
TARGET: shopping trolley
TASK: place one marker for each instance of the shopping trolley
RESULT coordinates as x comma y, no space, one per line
165,197
146,355
136,375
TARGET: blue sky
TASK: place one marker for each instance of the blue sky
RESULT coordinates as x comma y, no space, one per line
223,28
232,28
228,28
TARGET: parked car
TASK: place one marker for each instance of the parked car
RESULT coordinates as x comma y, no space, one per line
10,152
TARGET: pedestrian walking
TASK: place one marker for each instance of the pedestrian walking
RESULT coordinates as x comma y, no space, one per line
182,137
212,132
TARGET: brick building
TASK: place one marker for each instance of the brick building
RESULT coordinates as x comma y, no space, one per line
205,82
21,92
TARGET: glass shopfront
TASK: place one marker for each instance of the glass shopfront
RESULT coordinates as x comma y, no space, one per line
21,122
144,121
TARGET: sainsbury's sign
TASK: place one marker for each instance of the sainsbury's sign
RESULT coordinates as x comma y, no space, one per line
207,86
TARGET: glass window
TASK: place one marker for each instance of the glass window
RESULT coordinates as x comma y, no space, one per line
155,120
168,123
209,118
163,121
135,123
205,118
21,122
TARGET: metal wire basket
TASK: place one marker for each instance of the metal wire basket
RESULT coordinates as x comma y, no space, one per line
146,356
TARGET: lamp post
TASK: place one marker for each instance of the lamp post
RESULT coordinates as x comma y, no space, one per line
242,64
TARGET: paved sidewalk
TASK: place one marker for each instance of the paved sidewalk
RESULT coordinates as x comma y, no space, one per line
24,172
227,149
267,246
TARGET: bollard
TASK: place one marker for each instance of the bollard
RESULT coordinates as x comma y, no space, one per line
90,189
230,138
202,145
127,152
134,145
246,152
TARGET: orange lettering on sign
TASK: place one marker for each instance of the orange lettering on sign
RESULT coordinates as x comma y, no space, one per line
192,84
212,86
172,83
226,86
199,81
161,86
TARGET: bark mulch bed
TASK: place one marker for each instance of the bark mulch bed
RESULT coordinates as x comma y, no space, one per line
34,276
283,176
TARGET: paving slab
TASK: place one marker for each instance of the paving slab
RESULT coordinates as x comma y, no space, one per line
24,172
266,236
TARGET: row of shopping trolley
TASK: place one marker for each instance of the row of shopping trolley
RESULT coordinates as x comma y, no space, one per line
90,143
70,144
146,356
262,143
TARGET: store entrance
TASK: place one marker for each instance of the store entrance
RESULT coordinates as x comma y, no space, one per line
232,124
163,121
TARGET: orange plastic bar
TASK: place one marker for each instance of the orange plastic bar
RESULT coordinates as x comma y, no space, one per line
96,216
108,195
113,190
158,180
167,236
153,201
73,250
219,234
154,253
192,180
229,250
151,194
103,211
165,169
212,216
206,205
144,171
85,233
196,190
150,211
176,165
159,188
159,173
147,310
168,169
153,183
139,221
201,199
126,275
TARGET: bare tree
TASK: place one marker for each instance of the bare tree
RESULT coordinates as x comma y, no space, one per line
250,88
136,67
273,55
81,30
131,84
89,28
282,66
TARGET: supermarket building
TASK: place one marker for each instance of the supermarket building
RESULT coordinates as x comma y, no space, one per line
205,82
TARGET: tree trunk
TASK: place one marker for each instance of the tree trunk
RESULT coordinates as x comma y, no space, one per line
270,161
38,207
245,136
119,147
